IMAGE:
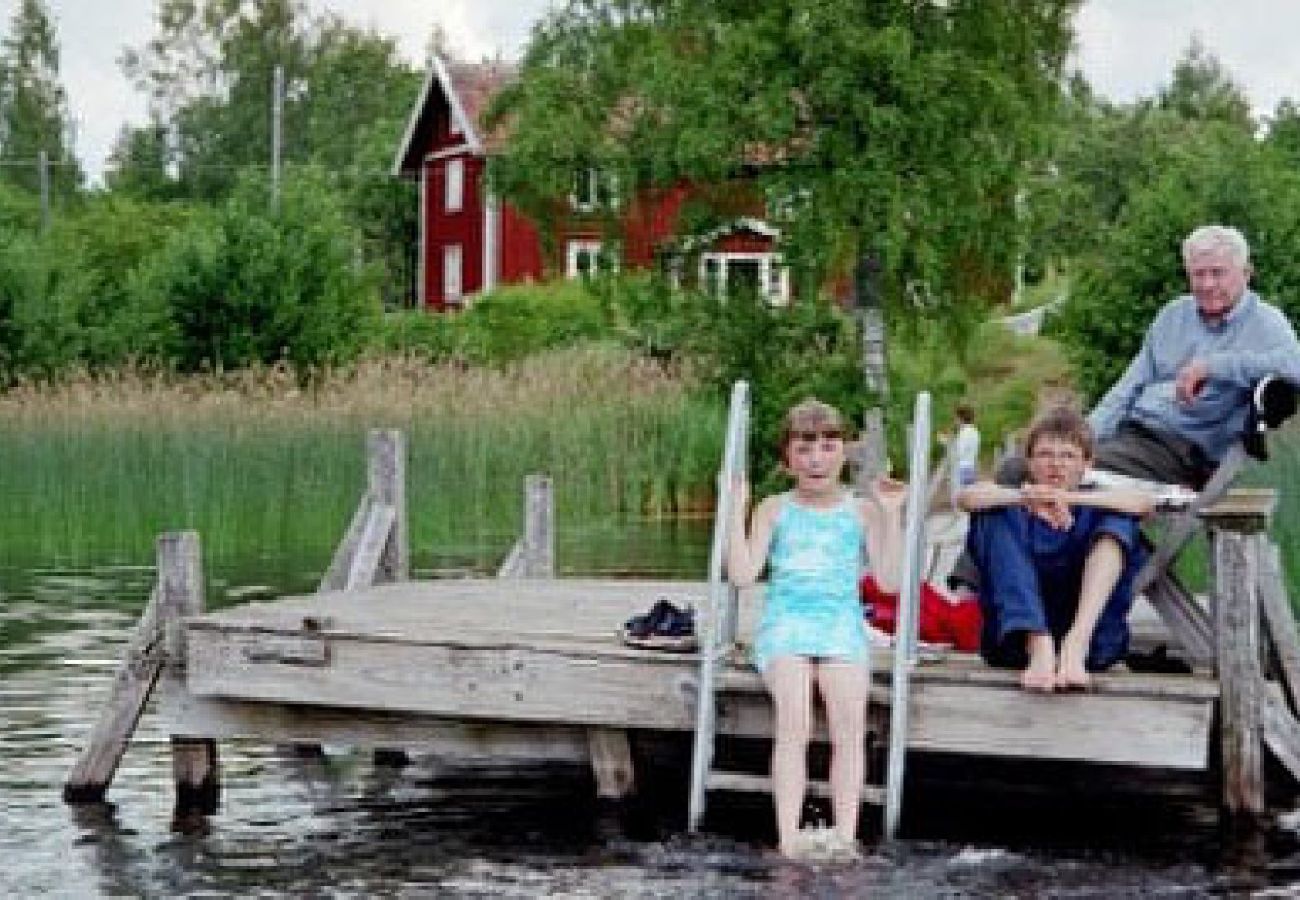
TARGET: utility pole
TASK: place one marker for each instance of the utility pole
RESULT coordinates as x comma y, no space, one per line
277,117
43,175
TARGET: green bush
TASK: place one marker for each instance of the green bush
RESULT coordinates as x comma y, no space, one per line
502,326
248,285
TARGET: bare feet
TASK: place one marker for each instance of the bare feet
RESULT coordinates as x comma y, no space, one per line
1040,674
1071,671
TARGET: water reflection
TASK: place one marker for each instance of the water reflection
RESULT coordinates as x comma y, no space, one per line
340,824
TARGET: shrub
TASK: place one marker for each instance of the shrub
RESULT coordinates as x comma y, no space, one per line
248,285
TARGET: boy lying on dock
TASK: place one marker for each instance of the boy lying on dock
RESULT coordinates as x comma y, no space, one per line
1056,562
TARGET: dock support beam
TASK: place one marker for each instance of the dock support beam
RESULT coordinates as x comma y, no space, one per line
1238,537
180,594
156,649
533,555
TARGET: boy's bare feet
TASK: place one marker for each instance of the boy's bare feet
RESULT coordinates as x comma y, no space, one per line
1040,674
1071,671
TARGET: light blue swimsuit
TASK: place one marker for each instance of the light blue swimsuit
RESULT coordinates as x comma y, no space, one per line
812,607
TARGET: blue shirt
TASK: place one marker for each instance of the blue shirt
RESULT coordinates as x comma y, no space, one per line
1253,340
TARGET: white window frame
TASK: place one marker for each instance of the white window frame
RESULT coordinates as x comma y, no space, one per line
453,273
453,187
773,276
603,259
588,183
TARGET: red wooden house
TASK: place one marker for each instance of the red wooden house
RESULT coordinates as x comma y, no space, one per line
471,241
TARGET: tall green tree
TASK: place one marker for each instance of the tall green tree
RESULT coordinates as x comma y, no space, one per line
1203,90
33,105
897,127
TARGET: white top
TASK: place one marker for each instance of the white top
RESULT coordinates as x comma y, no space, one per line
965,457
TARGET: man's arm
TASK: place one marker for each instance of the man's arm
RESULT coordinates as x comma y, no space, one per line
1113,408
1279,354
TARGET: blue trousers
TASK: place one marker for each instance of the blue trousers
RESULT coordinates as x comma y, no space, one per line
1031,575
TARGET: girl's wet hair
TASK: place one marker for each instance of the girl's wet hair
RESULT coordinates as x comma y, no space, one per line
810,416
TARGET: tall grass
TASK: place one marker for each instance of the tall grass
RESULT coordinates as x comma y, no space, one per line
94,468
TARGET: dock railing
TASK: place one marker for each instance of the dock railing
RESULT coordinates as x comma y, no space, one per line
720,632
905,635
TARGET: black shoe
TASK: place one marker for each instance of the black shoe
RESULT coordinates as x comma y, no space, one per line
664,627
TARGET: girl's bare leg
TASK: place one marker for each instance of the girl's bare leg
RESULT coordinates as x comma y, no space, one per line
789,681
844,691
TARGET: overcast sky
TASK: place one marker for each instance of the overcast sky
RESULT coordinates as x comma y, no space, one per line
1126,47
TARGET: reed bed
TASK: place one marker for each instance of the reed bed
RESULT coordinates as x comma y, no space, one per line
92,468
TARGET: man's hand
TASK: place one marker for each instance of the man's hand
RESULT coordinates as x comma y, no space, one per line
1191,378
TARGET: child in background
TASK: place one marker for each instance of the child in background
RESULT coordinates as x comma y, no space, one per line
965,450
814,541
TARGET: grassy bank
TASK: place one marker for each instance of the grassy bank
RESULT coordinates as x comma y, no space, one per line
95,468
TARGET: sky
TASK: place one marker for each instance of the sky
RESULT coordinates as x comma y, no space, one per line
1126,48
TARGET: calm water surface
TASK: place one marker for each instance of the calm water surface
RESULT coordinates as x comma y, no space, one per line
344,826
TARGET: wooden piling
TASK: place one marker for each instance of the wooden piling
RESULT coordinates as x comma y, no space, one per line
386,476
195,768
1237,535
533,555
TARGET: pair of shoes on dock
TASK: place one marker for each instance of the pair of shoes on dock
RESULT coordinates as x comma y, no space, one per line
664,627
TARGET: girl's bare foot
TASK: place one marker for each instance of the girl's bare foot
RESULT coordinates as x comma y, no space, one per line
1071,671
1040,674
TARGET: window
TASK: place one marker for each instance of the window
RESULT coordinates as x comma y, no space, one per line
729,273
592,190
454,187
587,258
451,273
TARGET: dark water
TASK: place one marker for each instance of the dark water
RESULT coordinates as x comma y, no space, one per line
345,826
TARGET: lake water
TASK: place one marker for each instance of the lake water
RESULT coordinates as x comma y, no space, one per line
344,826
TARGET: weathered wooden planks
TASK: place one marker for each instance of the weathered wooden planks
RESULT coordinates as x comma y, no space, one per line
545,652
987,720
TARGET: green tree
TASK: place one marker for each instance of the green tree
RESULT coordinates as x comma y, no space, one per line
1202,90
245,285
33,105
898,127
138,164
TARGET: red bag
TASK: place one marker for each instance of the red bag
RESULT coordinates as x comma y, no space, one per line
942,620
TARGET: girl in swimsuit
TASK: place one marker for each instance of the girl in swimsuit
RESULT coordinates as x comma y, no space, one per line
814,542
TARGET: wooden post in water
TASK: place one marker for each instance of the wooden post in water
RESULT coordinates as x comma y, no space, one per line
1237,536
93,772
180,594
386,476
533,554
539,527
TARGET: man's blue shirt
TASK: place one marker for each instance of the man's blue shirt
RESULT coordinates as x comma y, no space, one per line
1253,340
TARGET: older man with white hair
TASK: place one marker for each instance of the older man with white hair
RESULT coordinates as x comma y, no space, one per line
1184,398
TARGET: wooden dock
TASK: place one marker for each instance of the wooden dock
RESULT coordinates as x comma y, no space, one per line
546,654
527,666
